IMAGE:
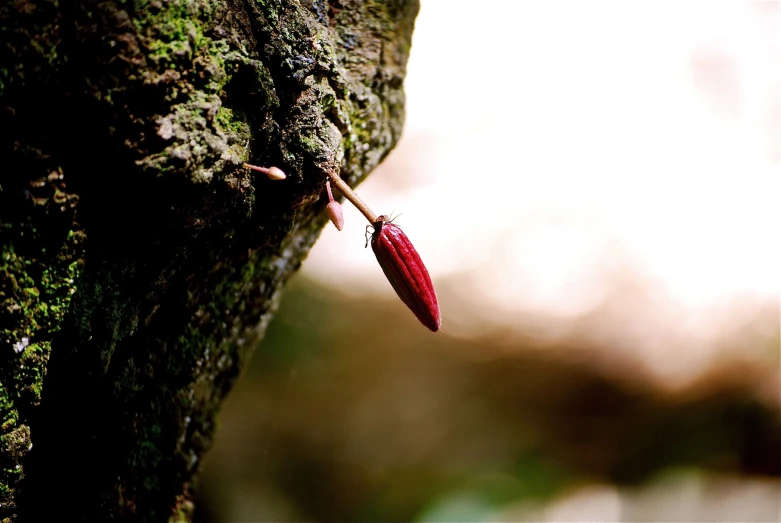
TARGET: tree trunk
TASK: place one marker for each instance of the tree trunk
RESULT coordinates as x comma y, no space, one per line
139,262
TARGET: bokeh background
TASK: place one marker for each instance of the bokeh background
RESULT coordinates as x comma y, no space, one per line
595,190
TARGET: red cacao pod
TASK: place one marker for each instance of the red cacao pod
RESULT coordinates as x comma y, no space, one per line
406,273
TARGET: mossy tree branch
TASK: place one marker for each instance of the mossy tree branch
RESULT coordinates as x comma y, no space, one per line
139,262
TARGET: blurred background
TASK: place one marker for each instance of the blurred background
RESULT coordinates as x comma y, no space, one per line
594,188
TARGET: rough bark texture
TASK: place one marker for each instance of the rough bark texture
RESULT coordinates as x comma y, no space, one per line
139,263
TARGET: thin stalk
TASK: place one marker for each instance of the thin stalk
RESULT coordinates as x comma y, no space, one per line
354,199
274,173
257,168
328,188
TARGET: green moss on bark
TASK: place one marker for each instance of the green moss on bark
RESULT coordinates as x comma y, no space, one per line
39,273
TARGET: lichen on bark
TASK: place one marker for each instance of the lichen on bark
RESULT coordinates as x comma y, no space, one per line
140,261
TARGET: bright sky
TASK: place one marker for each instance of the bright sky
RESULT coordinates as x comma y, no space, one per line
560,156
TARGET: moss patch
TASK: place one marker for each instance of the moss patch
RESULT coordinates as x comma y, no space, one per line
37,281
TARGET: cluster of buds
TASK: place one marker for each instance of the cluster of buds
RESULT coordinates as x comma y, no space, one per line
396,255
398,259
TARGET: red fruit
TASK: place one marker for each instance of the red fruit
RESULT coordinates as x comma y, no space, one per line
405,271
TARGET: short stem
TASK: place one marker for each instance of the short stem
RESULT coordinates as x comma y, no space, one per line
263,170
328,188
354,199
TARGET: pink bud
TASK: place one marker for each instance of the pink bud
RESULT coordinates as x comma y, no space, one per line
405,271
334,210
275,173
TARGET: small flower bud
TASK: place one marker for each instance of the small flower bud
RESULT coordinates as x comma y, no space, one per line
275,173
334,210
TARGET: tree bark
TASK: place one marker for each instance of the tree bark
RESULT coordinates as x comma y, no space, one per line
139,262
